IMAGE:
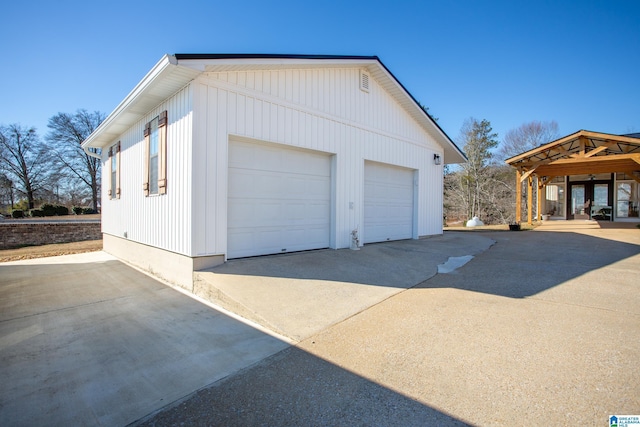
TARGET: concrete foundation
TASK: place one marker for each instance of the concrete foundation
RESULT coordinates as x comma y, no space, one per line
169,266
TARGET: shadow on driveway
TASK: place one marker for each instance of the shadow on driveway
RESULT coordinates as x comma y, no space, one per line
295,388
527,263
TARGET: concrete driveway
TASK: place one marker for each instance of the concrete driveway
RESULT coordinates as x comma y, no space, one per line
87,340
537,328
543,328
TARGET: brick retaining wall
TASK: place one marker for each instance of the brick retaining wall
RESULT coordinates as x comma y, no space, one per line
45,233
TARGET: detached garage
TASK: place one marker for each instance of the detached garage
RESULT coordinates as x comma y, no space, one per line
214,157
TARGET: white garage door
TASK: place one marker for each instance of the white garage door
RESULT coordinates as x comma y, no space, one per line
388,203
279,200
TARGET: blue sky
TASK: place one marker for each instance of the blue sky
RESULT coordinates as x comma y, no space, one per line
510,62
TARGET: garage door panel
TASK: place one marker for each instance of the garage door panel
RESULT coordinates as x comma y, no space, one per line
400,212
317,187
316,212
293,187
240,242
388,203
306,163
240,213
281,202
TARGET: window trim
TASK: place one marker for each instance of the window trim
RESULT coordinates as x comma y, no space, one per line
114,156
162,155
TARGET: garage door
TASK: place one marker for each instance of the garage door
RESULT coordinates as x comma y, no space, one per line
388,203
279,200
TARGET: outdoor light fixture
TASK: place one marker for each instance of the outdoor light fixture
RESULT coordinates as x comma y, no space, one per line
436,159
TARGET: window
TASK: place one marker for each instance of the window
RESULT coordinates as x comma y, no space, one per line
155,136
153,157
627,194
555,200
114,182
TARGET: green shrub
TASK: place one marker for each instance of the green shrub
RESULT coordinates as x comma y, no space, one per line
36,213
48,209
88,211
77,210
17,213
61,210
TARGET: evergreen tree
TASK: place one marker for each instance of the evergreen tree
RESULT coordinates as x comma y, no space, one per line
478,140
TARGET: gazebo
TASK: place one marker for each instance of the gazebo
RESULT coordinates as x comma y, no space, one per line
585,175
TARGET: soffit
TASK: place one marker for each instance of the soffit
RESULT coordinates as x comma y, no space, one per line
164,80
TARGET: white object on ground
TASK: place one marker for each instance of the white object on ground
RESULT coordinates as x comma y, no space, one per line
474,222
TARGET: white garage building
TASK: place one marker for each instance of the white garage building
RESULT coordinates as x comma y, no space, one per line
213,157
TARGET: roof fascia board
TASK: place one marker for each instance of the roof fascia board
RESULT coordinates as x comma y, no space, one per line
543,147
253,57
439,130
202,63
166,62
574,136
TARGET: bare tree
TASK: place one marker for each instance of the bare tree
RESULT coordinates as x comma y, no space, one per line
527,137
524,138
24,159
67,132
6,191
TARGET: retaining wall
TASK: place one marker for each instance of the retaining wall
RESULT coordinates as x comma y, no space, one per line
45,233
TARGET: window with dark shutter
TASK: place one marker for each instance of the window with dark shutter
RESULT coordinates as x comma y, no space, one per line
162,153
147,137
117,173
111,167
155,167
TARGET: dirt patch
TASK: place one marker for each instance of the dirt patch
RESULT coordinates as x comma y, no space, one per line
31,252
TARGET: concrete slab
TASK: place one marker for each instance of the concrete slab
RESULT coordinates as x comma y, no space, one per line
87,340
300,294
541,329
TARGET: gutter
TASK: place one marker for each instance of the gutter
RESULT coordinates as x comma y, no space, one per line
91,153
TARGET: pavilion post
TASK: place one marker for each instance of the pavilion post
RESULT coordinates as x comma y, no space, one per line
539,198
530,200
518,196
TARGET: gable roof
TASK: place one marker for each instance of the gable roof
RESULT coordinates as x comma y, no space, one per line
583,152
173,72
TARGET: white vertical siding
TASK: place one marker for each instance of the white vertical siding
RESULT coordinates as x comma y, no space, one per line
319,109
160,221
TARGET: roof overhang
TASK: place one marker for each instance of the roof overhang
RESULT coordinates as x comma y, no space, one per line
173,72
582,153
164,79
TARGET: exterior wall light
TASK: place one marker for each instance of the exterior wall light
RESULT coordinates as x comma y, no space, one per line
436,159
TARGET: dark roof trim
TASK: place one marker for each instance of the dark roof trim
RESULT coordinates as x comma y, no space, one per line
425,113
196,56
185,56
